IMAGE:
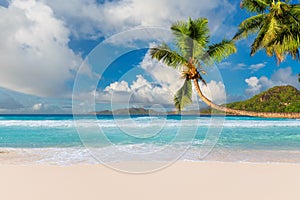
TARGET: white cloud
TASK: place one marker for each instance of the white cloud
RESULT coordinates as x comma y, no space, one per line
166,82
232,66
12,102
252,82
140,91
283,76
242,66
256,67
47,108
34,53
215,91
118,87
37,107
161,73
89,19
254,85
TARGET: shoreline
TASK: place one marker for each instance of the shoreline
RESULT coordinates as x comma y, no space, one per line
80,155
210,180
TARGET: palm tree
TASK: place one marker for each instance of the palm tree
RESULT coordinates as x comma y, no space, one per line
192,40
276,25
191,55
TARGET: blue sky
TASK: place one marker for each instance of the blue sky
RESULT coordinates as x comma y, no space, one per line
45,43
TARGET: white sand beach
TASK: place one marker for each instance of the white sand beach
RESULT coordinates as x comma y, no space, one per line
183,180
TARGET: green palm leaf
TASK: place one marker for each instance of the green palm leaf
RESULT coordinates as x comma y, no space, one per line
167,56
258,42
277,27
181,31
249,26
183,96
200,36
191,37
257,6
287,41
295,11
217,52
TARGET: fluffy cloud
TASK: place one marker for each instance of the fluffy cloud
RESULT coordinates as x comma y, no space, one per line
89,19
166,81
161,73
118,87
141,91
242,66
37,107
12,102
254,85
282,76
258,66
34,53
215,91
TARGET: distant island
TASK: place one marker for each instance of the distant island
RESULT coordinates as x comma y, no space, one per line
143,111
284,99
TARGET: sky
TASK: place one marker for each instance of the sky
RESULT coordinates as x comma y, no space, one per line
93,55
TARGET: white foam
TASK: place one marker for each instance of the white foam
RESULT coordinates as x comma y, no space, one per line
137,152
144,122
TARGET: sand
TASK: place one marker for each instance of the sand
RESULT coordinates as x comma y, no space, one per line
183,180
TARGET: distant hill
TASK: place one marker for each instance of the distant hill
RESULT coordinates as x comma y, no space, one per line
132,111
143,111
276,99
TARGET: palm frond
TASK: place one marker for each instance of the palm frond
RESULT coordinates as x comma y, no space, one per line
191,37
169,57
199,31
258,42
294,15
181,32
249,26
271,31
200,36
217,52
287,41
295,11
183,96
256,6
277,27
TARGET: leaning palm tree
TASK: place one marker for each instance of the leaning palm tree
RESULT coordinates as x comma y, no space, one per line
276,25
191,55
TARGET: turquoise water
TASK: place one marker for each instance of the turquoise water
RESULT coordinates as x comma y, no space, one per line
56,139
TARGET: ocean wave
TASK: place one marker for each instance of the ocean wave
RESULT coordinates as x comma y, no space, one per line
125,153
149,122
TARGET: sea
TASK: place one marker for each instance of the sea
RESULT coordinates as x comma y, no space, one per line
70,140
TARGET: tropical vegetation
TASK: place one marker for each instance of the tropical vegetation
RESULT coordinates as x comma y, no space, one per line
191,54
276,25
276,99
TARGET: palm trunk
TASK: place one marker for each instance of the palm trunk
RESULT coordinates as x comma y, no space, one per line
242,112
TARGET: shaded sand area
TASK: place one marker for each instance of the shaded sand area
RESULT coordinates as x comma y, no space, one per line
183,180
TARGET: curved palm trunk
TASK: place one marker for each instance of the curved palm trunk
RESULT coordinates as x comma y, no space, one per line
242,112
